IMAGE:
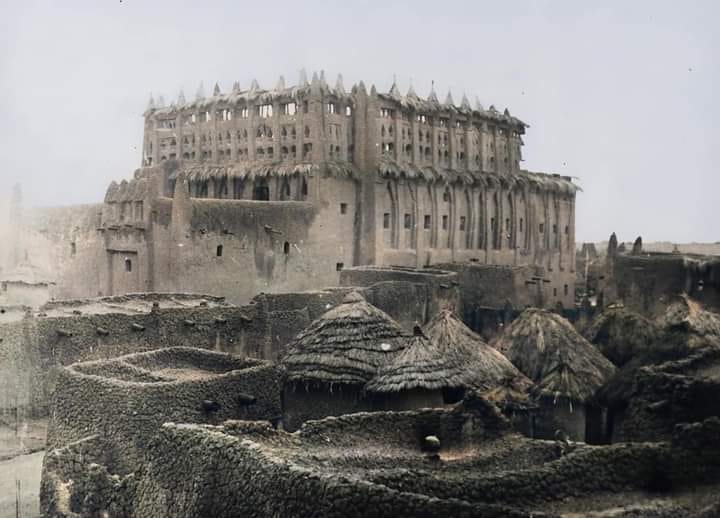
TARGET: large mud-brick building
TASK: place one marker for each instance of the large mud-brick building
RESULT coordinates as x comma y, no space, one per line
274,190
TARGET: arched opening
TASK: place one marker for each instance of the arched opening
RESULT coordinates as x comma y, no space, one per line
128,265
219,251
261,191
285,193
286,248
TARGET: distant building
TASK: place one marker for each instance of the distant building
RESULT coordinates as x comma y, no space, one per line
277,190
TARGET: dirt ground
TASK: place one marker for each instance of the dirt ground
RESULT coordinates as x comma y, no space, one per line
25,469
21,454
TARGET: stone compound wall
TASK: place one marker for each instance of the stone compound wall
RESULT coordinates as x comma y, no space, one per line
34,349
249,469
125,399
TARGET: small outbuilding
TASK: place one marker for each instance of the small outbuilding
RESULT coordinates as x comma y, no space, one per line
418,377
567,369
329,363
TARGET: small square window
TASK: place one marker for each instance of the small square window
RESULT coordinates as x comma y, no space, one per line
339,266
343,208
427,222
445,222
386,220
408,221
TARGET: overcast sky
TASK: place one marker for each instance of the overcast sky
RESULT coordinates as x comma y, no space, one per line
622,95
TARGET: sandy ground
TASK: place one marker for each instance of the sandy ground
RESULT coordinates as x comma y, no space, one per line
26,469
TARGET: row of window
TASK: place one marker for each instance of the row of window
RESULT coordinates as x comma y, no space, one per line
260,153
263,111
427,223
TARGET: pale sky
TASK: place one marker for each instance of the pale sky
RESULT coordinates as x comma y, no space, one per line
622,95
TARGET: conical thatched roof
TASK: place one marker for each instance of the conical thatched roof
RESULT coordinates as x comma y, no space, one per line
422,365
485,367
346,345
620,334
548,349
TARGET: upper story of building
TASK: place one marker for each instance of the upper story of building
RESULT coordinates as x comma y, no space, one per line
315,123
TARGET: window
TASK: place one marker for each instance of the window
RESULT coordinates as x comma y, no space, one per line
348,111
73,249
427,221
507,223
565,289
305,106
343,208
422,119
289,108
219,251
265,110
286,248
167,123
339,267
554,292
386,113
542,227
244,113
331,107
445,219
407,221
206,116
462,223
224,115
554,228
307,131
521,224
128,265
567,230
386,220
307,150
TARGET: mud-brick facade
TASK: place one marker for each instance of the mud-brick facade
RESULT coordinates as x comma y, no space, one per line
277,190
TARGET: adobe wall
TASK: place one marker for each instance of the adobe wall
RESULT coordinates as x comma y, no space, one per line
391,287
647,282
302,403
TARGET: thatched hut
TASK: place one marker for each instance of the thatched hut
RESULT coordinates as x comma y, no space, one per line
328,364
485,367
417,377
567,369
620,334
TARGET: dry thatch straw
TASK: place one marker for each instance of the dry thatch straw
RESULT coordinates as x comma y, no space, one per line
620,333
422,365
686,315
485,368
548,349
346,345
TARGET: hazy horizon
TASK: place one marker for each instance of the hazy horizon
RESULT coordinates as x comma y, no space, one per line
618,95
